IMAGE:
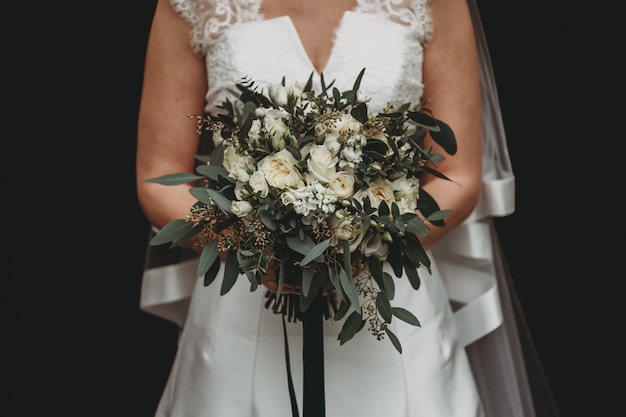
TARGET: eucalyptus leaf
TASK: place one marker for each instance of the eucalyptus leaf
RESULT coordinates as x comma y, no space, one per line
406,316
350,327
201,194
212,171
315,252
389,286
221,201
307,300
211,274
413,275
422,119
349,289
208,255
417,226
394,339
383,306
231,272
267,220
307,279
344,307
175,179
439,215
445,137
171,232
302,246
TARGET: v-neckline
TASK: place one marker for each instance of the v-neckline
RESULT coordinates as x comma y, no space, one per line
300,45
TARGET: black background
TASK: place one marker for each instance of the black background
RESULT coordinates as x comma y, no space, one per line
78,344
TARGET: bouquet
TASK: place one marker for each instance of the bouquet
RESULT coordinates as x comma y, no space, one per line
314,182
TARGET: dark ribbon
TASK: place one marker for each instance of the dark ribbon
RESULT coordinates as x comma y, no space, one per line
314,403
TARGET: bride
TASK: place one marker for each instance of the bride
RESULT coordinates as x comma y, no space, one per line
466,358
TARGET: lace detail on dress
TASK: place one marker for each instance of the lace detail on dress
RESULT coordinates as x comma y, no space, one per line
210,19
411,13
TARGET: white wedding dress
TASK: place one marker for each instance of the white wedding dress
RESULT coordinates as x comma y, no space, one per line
231,359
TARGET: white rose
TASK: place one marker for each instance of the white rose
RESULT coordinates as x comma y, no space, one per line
382,190
240,208
280,170
377,191
344,229
342,185
321,163
238,165
373,245
258,184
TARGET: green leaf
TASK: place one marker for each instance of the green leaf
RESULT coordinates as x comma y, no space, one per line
416,225
350,327
211,274
212,171
359,112
349,288
412,275
231,272
389,286
341,311
376,269
171,232
439,215
175,179
307,280
307,300
267,220
383,306
201,194
347,262
414,251
221,201
394,339
445,137
315,252
209,254
423,119
406,316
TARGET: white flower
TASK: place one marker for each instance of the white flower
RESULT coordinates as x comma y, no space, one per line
280,170
406,192
279,133
240,208
321,163
258,183
348,125
378,190
373,245
238,165
342,185
279,94
345,229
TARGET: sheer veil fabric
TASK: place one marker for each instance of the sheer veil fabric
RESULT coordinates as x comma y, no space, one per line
491,324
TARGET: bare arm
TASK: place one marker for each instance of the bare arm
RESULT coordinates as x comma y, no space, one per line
174,86
452,84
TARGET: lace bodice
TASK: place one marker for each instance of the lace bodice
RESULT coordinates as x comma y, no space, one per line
236,41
